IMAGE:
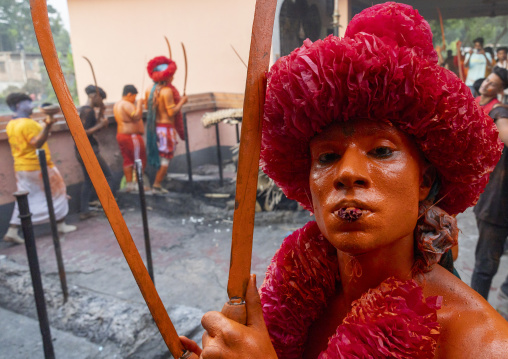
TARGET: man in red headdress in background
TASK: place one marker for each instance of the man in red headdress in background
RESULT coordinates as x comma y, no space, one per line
164,118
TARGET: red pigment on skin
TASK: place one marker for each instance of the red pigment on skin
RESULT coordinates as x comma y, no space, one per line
349,214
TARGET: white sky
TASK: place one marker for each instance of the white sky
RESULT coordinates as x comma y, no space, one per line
61,7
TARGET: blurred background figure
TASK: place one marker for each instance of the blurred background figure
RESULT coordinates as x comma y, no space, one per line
501,57
92,122
492,208
25,137
130,132
477,60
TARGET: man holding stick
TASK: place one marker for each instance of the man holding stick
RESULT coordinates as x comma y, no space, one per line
92,124
164,117
25,137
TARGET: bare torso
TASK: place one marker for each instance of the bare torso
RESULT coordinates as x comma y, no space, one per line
470,327
124,115
165,104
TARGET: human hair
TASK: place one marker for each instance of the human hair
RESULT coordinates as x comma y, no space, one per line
478,40
16,97
502,74
502,48
129,89
477,84
436,232
90,90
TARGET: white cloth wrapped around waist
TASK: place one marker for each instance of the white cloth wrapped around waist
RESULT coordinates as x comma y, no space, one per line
31,181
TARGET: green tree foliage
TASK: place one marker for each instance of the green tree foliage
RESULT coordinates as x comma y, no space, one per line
494,30
17,33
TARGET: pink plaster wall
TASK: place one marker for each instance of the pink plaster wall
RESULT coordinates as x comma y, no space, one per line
119,37
61,143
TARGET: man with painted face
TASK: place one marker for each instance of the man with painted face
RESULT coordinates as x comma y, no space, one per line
130,130
92,122
492,208
383,146
164,119
25,137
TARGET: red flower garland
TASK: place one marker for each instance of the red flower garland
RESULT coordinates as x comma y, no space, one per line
393,320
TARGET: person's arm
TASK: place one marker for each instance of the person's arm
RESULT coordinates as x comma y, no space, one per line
440,55
502,127
487,57
136,112
101,120
468,56
172,108
38,140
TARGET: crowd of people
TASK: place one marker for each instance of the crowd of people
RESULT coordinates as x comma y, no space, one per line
487,78
384,146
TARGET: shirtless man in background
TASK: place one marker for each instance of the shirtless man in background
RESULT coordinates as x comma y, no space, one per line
164,118
130,132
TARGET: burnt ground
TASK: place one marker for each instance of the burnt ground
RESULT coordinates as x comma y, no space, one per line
105,316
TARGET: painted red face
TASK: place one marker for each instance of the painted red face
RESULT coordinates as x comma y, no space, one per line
372,170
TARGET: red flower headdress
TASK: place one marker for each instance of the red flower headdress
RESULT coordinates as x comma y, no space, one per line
164,75
384,68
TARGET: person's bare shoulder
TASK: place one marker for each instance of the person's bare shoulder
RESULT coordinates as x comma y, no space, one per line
470,327
166,90
125,106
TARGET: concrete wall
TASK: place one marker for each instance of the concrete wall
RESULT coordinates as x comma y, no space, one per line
126,34
120,37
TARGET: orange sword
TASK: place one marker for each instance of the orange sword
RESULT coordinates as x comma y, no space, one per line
45,39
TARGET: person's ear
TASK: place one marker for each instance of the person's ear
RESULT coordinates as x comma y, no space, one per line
426,181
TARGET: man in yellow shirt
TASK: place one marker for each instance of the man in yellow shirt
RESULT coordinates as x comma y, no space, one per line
25,137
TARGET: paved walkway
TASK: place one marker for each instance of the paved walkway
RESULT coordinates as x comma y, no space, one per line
191,261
